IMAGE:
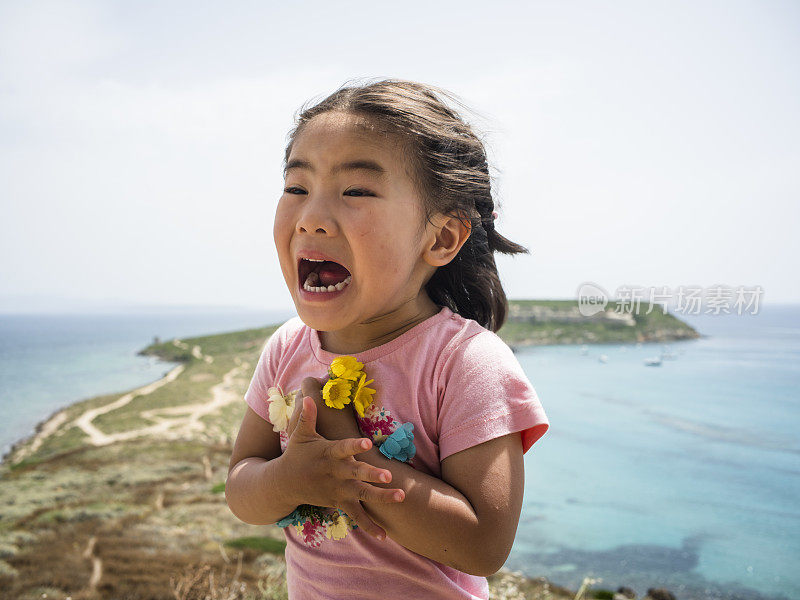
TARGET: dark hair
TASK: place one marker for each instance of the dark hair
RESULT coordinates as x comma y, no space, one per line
452,176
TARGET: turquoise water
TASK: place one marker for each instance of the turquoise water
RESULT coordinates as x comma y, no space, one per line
51,361
684,476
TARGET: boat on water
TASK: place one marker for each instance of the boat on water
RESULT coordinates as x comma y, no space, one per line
602,358
653,362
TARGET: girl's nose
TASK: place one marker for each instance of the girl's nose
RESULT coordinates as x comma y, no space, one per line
316,217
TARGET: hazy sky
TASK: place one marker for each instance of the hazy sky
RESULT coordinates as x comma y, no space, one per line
646,143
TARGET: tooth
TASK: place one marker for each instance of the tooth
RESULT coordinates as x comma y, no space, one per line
331,288
339,286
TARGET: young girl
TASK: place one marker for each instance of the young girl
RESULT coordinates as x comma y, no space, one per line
385,234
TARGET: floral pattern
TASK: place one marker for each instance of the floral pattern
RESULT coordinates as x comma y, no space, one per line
311,532
284,441
377,424
347,383
400,445
314,524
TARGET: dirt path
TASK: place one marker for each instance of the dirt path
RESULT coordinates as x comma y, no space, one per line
168,423
97,565
97,437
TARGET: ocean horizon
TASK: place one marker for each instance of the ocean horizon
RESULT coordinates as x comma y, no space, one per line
682,476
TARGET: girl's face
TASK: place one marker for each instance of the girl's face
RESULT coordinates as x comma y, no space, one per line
350,221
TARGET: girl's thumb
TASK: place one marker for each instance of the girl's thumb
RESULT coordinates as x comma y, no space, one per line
307,419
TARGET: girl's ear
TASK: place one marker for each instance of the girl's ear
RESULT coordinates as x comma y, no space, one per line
450,233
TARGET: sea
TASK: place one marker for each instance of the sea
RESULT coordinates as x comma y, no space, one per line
684,475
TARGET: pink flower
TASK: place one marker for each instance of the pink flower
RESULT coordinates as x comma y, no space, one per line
377,423
284,440
312,533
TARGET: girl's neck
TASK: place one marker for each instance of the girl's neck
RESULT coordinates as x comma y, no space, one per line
381,329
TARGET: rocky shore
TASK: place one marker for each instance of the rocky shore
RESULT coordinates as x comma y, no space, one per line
122,495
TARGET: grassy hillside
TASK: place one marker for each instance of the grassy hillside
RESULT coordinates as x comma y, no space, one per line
559,322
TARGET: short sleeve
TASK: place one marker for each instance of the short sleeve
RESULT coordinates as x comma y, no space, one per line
265,372
486,395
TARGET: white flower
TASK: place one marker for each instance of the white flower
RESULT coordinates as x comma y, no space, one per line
281,407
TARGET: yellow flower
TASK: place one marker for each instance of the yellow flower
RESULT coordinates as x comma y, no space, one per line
346,367
338,529
281,407
362,399
336,392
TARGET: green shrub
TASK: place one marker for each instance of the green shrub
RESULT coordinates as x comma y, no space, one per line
262,544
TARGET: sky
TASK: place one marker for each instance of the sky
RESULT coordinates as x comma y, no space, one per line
653,144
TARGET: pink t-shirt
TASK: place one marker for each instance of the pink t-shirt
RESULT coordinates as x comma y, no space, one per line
460,385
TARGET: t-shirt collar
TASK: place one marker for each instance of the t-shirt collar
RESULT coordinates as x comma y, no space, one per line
326,357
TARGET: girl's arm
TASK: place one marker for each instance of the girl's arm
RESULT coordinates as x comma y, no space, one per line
471,531
252,489
469,525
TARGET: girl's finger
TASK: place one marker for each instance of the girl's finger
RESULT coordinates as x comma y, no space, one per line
356,512
311,387
366,492
350,446
373,493
290,426
365,472
300,416
307,419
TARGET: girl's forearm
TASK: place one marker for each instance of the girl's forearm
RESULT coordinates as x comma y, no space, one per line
434,520
253,493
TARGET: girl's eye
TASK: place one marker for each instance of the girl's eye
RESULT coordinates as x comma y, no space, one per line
360,192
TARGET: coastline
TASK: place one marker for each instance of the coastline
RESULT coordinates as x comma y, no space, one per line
42,428
520,331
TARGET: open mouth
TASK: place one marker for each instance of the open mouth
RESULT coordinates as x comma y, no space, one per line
323,275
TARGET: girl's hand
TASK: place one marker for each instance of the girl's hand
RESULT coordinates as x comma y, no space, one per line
326,472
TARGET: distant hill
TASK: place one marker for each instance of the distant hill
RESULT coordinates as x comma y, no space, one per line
540,322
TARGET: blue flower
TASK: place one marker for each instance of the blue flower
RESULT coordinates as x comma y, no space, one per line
293,518
400,444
